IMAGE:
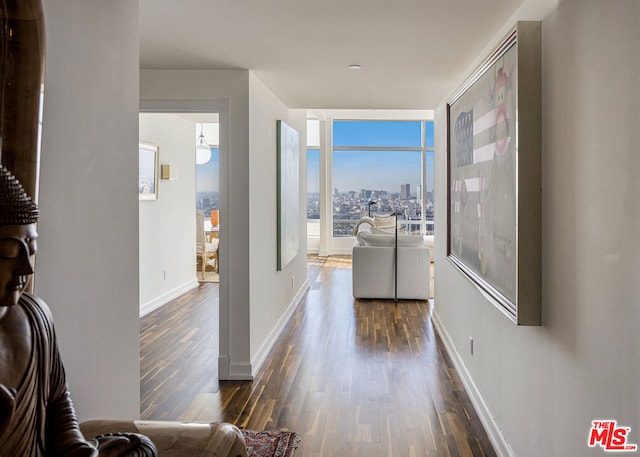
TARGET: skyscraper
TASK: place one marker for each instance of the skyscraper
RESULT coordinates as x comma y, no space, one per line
405,191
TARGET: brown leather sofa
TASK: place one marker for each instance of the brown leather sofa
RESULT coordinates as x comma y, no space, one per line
178,439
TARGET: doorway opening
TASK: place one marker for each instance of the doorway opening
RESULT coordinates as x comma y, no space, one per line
208,201
168,262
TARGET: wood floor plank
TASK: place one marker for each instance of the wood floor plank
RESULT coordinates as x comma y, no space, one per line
353,377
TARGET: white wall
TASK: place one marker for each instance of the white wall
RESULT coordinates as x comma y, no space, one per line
250,289
87,266
167,225
229,88
544,385
272,291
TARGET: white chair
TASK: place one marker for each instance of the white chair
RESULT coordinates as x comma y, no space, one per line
205,250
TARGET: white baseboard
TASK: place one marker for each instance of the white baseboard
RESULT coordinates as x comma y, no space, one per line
263,352
165,298
496,437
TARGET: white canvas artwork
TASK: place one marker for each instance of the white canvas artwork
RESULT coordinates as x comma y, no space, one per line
288,193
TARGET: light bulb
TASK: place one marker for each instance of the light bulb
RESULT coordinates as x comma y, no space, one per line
203,151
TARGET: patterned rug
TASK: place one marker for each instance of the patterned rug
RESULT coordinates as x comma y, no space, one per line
271,443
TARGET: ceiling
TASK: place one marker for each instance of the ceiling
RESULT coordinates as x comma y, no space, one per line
410,51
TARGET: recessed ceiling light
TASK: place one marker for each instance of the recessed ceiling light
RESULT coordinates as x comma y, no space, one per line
354,67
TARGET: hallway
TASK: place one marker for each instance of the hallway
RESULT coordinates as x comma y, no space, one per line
345,375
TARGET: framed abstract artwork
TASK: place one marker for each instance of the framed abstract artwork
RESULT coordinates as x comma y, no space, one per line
494,176
148,171
288,179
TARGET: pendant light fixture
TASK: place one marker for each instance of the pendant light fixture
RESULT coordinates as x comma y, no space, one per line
203,150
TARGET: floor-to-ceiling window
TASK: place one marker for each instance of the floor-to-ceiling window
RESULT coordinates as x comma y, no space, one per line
382,167
313,183
428,183
367,167
374,167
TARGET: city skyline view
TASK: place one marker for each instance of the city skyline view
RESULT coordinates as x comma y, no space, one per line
366,168
350,166
354,170
379,177
371,170
374,161
370,161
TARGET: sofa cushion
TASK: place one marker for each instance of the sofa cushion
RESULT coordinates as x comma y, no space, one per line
362,231
363,223
371,239
382,231
385,221
365,228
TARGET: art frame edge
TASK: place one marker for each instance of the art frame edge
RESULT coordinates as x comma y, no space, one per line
526,311
149,146
281,125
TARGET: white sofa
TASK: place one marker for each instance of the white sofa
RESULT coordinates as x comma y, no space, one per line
387,223
373,265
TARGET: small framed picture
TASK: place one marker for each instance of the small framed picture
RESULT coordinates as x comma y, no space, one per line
148,171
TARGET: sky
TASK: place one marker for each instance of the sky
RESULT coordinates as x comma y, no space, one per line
207,177
355,170
374,170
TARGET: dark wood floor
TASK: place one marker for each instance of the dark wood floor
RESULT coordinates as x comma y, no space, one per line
179,358
353,377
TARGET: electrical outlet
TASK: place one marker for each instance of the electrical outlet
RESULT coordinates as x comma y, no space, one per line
471,344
